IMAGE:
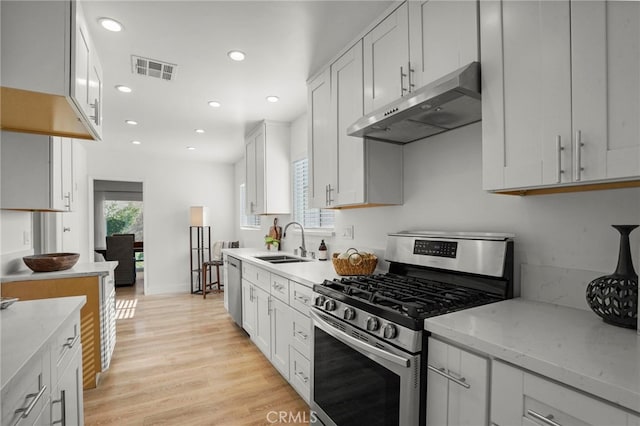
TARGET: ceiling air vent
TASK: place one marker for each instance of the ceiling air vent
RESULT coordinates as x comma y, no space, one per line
153,68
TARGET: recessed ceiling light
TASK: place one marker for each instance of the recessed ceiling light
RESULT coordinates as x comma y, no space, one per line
214,104
199,130
191,148
136,142
123,89
236,55
272,99
131,122
110,24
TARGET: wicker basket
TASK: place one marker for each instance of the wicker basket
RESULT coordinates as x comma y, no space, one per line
356,264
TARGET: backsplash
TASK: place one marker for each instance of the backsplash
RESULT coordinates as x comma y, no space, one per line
560,286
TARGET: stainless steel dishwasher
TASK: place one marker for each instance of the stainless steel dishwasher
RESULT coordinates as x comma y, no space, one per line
234,287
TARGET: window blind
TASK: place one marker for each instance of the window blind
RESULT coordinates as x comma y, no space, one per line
308,217
247,221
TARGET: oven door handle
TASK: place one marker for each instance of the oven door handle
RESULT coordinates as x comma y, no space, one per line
352,341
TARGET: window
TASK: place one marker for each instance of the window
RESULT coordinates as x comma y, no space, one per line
247,221
309,218
124,217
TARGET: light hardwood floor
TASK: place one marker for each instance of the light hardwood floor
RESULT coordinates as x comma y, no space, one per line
180,360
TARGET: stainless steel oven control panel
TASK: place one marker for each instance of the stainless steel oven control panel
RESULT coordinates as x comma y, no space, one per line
476,253
403,337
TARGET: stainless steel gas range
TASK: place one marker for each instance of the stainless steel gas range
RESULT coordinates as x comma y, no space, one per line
369,349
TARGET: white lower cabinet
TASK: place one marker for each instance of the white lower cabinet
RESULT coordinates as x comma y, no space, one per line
29,392
300,374
276,318
248,307
262,334
457,386
522,398
67,403
47,390
281,326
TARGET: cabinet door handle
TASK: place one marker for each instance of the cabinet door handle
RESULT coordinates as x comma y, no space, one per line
63,409
301,376
304,336
67,204
411,70
578,166
24,412
302,299
544,419
441,371
71,341
269,306
559,149
96,107
402,76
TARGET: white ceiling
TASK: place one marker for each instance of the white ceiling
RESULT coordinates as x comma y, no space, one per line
286,42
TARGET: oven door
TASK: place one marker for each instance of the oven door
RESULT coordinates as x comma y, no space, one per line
358,379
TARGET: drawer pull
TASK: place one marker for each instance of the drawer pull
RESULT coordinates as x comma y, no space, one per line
544,419
301,376
63,409
303,335
441,371
26,411
302,299
71,341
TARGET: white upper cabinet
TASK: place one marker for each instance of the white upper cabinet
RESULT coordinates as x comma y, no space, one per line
346,107
267,169
386,60
415,45
51,69
322,149
560,93
348,171
443,38
605,47
37,172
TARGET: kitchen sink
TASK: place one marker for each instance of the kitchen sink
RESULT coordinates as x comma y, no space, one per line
282,258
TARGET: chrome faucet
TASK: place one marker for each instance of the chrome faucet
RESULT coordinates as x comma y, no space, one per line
303,248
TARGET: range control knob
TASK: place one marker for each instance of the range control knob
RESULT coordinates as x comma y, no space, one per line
390,331
320,300
373,324
349,314
330,305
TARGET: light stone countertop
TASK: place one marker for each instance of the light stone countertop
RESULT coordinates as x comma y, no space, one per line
569,345
306,273
27,326
78,270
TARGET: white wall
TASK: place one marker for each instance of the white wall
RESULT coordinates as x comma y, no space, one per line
13,225
170,187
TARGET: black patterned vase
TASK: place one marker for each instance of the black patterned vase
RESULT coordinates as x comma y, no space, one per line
615,297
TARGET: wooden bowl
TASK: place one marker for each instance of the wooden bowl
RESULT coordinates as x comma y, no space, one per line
50,262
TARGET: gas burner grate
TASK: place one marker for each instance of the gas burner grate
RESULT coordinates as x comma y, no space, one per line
410,296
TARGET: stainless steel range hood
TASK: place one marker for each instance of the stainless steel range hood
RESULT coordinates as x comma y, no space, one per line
447,103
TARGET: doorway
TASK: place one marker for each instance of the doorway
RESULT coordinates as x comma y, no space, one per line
118,210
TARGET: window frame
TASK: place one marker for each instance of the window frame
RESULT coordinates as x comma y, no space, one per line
311,218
